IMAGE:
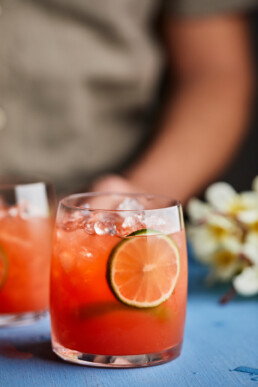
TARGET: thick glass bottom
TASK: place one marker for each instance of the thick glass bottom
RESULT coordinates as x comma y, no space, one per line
7,320
117,361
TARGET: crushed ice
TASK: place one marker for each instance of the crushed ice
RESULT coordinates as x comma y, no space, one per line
130,204
132,221
121,222
105,225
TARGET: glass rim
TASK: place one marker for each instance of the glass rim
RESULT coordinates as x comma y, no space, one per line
174,203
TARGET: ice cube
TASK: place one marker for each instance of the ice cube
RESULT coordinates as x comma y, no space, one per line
154,222
89,223
130,204
89,227
28,210
105,227
166,223
75,220
69,226
13,211
131,223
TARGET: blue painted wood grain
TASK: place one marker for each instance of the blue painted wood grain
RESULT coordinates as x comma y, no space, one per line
218,339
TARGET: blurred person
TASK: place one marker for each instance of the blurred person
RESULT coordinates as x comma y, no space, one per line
79,85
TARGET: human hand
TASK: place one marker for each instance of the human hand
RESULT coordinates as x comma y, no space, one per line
119,184
115,183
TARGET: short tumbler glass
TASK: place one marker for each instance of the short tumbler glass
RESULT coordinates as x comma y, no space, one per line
26,226
118,280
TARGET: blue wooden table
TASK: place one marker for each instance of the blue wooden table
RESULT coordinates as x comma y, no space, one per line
218,340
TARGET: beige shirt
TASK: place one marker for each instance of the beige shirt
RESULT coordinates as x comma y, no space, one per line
77,78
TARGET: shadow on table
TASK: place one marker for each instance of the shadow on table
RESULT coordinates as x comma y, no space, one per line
41,350
25,351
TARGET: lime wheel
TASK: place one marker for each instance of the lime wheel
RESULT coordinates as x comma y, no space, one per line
143,269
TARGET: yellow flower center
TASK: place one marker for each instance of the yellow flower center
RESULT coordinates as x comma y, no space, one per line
217,231
254,226
237,206
224,258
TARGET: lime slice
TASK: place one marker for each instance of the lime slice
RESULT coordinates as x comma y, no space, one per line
3,267
143,269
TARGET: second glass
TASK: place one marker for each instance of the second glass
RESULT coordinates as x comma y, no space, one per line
118,280
26,224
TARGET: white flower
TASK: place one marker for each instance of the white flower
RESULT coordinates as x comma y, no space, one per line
225,260
207,237
246,283
250,248
198,210
226,200
255,184
249,219
224,235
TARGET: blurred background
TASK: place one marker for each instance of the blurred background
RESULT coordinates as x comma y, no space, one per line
80,94
243,169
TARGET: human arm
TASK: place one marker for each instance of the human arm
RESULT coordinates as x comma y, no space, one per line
205,119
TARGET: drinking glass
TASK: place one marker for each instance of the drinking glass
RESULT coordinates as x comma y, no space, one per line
118,280
26,226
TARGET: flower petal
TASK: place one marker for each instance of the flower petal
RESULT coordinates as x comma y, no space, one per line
255,184
197,210
250,249
225,261
249,199
220,195
222,227
222,222
225,274
203,243
248,217
246,283
232,244
252,238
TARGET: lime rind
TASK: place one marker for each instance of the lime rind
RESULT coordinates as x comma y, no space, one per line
144,231
4,261
110,273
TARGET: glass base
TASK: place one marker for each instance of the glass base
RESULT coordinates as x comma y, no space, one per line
117,361
8,320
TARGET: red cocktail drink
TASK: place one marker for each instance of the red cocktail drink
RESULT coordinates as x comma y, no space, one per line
25,252
118,286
